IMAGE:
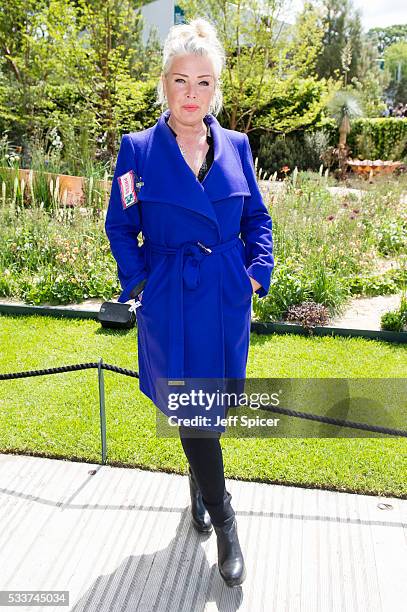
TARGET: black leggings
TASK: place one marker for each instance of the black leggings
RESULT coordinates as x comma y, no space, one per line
205,458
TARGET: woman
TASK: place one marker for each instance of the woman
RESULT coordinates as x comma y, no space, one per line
190,186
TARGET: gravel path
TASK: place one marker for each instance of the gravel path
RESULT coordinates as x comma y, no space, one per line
365,312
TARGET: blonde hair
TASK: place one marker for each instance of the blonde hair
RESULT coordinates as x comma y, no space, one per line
197,37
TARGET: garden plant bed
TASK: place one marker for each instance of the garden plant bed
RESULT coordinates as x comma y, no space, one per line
331,244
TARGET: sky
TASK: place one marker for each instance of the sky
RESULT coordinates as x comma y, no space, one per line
374,13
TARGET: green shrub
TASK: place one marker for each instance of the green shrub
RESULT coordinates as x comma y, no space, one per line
379,138
396,320
374,138
300,149
378,284
294,284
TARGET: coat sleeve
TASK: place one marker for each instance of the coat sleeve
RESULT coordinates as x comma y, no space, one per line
256,228
123,225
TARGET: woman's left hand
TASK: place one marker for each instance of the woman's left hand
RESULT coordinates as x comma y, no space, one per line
254,283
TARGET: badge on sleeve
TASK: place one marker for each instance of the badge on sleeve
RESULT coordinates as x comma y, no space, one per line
127,189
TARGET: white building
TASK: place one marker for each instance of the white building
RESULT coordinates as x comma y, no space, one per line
161,15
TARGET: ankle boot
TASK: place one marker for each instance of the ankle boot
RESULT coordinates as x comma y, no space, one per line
200,517
230,558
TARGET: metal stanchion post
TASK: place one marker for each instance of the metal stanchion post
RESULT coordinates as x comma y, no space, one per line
102,410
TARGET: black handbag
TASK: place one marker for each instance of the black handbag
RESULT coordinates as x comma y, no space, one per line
116,315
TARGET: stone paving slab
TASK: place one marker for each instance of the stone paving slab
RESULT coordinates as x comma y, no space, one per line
121,539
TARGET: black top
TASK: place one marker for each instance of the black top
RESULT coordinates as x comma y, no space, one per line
206,164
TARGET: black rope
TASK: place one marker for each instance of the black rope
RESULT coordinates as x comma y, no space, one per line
69,368
340,422
133,374
124,371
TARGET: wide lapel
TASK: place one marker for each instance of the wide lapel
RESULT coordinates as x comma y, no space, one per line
225,177
168,178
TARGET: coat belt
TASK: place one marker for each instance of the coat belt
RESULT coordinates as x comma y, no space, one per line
186,269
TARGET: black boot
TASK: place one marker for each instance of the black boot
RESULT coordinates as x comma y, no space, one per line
230,558
200,517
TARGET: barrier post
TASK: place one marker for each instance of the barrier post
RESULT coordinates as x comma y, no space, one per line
102,409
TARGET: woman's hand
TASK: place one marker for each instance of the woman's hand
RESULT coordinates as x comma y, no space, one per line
254,283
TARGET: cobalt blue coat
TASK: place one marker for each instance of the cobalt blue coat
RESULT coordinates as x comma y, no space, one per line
201,241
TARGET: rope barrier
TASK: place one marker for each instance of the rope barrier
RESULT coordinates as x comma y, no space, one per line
339,422
69,368
112,368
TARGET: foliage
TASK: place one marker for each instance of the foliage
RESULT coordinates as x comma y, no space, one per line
56,257
385,37
300,149
295,104
341,37
396,320
263,59
348,55
395,61
377,284
308,314
336,159
326,246
386,137
69,65
344,105
370,81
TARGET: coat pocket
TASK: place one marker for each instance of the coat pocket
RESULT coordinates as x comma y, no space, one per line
248,281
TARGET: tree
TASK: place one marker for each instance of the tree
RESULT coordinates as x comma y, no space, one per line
65,61
370,81
263,55
341,39
385,37
395,61
112,35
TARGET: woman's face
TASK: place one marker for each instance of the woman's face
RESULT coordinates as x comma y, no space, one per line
189,87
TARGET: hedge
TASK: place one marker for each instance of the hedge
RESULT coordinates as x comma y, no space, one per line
385,137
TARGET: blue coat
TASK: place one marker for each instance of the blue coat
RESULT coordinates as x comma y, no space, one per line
194,320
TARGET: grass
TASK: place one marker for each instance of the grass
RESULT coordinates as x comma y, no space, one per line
58,415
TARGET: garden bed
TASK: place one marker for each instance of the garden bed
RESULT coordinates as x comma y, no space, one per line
330,247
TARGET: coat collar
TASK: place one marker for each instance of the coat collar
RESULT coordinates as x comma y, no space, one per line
168,178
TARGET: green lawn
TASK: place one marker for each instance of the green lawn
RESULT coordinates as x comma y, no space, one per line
58,415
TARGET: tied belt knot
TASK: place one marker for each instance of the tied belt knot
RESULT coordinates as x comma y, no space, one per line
186,272
191,266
